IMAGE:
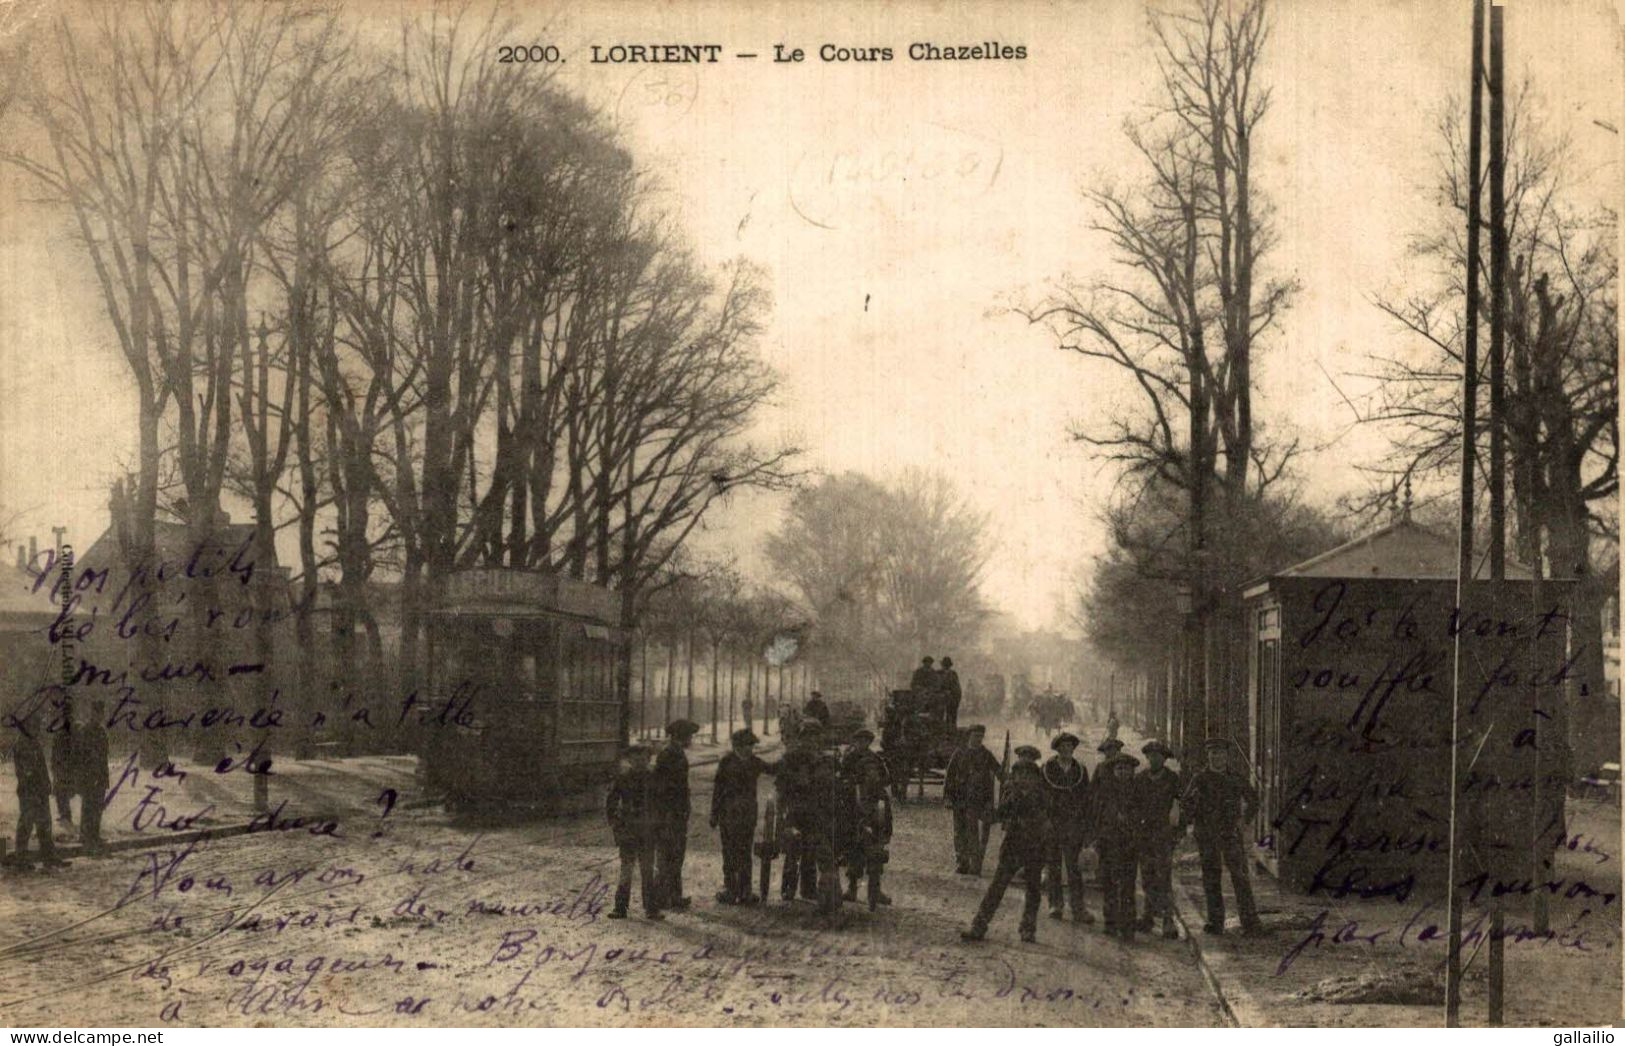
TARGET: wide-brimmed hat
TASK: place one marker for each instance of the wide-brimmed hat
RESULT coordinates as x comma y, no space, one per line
928,660
863,734
1110,745
1064,738
682,728
1122,759
1154,745
745,737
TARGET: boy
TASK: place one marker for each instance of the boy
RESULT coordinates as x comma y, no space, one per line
631,820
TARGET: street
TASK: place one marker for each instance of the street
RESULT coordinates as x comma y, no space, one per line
407,919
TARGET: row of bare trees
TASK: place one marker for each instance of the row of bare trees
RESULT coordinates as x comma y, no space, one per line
420,309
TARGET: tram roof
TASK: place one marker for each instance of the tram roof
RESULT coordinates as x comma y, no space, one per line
509,592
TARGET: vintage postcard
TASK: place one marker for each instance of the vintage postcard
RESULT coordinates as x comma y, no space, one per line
735,514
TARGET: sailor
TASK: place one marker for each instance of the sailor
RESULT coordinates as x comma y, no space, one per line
1159,788
1117,828
733,814
670,807
1067,788
1024,813
1216,804
968,788
867,775
635,832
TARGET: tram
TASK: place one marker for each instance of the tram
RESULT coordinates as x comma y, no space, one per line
529,662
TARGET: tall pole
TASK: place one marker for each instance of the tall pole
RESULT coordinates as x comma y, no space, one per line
1498,265
1464,561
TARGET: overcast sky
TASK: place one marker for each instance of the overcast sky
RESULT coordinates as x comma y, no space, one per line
897,206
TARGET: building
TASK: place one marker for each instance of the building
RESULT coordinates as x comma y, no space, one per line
1351,670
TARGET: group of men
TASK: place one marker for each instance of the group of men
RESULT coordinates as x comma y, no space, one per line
831,811
1133,817
937,689
77,766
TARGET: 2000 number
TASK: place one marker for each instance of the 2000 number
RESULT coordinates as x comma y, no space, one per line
508,53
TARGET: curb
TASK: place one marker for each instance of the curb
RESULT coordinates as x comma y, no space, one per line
1237,1003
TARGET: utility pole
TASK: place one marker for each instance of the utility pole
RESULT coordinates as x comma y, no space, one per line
1498,292
1464,561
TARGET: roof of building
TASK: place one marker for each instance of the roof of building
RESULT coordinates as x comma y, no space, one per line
1402,549
20,604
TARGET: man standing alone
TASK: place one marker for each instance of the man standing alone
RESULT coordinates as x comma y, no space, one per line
90,774
1216,803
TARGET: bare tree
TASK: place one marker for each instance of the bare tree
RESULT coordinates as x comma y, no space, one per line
1189,304
1562,396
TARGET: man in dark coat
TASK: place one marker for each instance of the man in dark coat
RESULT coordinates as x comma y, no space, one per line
635,830
1117,830
1159,789
90,774
1024,812
968,787
924,680
815,708
33,792
1216,804
795,788
867,775
62,767
733,814
949,693
670,807
1067,788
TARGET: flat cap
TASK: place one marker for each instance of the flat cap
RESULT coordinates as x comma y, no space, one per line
1123,759
1154,745
1110,745
1217,742
1064,738
1030,769
682,728
1027,751
863,734
745,737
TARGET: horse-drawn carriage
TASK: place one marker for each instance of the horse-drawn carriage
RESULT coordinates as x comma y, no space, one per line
917,739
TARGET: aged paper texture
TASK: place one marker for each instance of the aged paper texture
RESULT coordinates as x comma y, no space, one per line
774,514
